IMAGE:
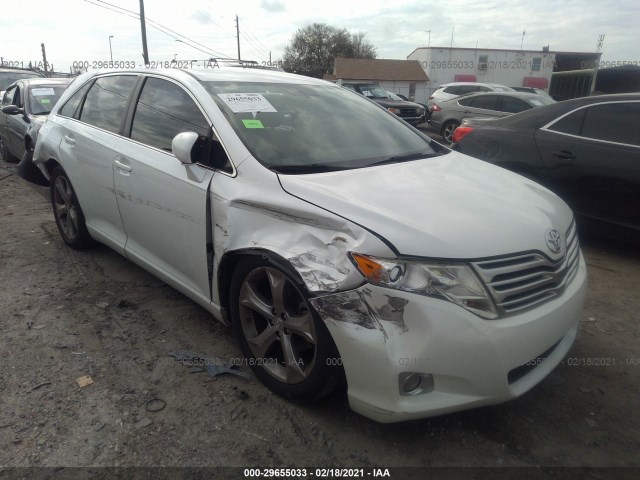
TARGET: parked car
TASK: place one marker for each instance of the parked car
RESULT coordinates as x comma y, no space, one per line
8,75
397,96
447,115
539,91
586,150
410,112
24,109
455,89
338,243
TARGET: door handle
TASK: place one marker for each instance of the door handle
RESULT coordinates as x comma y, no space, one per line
564,154
69,140
122,166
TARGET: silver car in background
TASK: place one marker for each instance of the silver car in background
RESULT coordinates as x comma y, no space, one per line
447,115
339,250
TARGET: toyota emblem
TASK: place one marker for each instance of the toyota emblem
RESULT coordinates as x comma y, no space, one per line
554,240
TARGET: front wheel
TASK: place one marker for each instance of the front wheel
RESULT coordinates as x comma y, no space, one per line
4,152
67,211
285,342
448,129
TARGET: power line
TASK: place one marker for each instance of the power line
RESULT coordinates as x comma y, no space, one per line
250,33
155,25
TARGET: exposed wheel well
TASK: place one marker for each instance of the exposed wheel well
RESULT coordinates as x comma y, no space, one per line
231,259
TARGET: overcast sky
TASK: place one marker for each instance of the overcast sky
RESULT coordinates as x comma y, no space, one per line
79,30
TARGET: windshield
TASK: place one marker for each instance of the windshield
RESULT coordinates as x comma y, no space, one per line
43,97
305,128
7,78
373,91
541,100
393,96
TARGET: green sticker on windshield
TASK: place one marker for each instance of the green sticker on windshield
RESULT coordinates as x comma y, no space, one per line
45,100
252,124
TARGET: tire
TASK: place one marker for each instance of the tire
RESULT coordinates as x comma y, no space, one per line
4,153
448,129
276,326
67,211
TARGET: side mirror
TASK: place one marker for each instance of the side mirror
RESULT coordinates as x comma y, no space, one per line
182,145
12,110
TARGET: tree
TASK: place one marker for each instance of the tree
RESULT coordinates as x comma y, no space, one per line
313,49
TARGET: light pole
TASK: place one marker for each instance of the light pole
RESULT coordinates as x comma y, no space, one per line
110,50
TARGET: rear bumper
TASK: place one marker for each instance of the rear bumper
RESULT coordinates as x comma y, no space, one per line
473,362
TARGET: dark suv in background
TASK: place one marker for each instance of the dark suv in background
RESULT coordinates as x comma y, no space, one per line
410,112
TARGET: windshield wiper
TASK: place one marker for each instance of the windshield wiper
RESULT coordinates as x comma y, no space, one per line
404,158
312,168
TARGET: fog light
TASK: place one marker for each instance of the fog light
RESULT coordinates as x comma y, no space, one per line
414,383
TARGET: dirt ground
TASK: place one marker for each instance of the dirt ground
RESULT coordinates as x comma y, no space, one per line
66,314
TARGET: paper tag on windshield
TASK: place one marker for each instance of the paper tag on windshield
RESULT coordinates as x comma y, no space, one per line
246,102
37,92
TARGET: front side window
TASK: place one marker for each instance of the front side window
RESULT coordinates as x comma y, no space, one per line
106,103
571,124
164,110
8,96
304,128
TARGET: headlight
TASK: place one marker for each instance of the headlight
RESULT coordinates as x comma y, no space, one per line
394,110
453,281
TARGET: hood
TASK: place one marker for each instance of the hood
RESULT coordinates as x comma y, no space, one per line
452,206
390,103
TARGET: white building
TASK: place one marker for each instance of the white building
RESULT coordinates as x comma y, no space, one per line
397,76
513,68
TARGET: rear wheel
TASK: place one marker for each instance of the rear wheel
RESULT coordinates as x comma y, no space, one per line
448,129
67,211
287,345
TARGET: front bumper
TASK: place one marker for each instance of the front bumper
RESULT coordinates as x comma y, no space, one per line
382,333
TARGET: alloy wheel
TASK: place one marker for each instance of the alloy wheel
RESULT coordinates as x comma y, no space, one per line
65,208
277,324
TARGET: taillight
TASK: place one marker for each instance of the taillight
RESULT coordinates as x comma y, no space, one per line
436,108
461,132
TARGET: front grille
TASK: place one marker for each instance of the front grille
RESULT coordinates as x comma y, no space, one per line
409,112
526,280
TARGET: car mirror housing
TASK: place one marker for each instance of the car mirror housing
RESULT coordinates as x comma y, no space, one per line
12,110
182,145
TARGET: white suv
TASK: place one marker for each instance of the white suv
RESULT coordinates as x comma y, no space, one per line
337,250
455,89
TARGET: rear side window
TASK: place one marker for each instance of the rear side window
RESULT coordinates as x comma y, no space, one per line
106,103
614,122
513,105
570,124
72,107
452,90
487,102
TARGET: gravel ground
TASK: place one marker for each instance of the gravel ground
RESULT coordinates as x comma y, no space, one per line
68,314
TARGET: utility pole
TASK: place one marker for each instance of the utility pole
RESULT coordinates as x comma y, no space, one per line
522,41
44,59
238,35
143,26
110,50
597,63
